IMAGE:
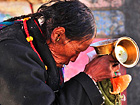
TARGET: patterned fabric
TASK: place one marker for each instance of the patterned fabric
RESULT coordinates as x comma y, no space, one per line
61,71
109,99
4,24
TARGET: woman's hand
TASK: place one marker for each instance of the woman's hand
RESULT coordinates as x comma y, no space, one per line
101,68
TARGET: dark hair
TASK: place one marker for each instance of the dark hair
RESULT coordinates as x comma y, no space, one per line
74,16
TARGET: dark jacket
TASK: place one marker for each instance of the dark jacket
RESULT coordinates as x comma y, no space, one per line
24,79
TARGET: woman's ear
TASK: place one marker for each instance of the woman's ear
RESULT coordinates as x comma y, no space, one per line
58,34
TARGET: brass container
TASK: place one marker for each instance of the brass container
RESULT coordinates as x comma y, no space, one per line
104,47
123,49
130,48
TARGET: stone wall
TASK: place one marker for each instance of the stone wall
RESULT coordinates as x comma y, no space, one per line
16,8
131,9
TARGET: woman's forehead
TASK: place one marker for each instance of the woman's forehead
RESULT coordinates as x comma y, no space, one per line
83,44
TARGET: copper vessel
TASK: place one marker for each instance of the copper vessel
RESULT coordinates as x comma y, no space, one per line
124,49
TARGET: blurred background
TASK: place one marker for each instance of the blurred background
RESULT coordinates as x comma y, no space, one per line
114,18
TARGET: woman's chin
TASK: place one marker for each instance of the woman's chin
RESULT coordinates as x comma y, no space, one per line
59,65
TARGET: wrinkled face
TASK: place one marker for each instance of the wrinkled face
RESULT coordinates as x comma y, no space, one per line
65,50
64,53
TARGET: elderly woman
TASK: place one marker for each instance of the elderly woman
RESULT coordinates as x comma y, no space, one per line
34,50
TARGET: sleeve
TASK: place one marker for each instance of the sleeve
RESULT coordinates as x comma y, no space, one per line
22,76
22,81
80,90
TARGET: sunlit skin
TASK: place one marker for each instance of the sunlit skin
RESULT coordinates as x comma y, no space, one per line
64,50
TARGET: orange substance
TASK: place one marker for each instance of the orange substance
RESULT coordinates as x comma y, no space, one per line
120,83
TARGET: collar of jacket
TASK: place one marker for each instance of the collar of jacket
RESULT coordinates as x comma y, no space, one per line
43,49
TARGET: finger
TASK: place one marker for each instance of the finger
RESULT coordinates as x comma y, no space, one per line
115,64
113,75
115,67
111,58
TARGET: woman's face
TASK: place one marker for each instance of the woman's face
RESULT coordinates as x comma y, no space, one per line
64,53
